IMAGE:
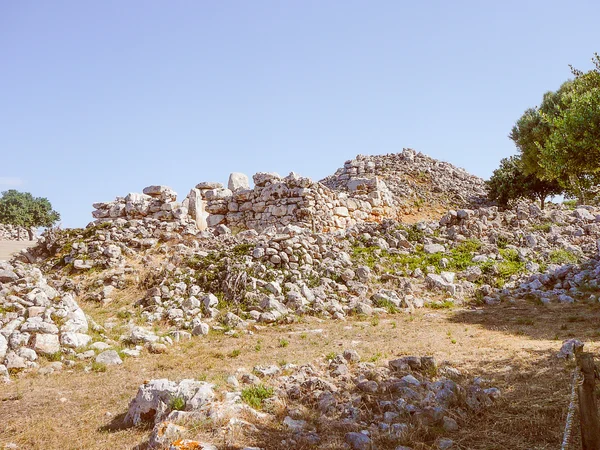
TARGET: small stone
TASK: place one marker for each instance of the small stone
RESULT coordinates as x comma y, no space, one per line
295,425
358,441
200,329
109,357
157,348
369,386
100,346
238,181
351,356
433,248
450,424
444,443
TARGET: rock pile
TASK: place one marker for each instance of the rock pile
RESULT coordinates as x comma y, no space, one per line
414,180
358,403
368,268
14,233
36,320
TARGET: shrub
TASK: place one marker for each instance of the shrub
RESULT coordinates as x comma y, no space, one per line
562,257
177,403
254,396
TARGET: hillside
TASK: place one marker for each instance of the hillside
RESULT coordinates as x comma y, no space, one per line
301,314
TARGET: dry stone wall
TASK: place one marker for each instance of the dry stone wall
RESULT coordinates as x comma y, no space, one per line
14,233
157,202
292,200
273,201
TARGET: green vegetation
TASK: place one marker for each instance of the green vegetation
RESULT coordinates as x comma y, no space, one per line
562,257
177,403
376,357
24,210
98,367
510,182
559,141
458,258
254,396
510,265
56,356
284,343
446,304
330,356
235,353
414,233
543,227
388,305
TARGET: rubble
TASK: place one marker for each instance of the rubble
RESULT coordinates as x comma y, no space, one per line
380,404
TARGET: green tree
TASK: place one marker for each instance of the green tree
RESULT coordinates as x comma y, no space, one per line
510,182
22,209
572,150
560,139
532,131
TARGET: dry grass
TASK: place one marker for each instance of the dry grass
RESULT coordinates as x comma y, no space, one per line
512,346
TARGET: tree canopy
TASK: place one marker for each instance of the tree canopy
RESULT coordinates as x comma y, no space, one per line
560,140
510,182
22,209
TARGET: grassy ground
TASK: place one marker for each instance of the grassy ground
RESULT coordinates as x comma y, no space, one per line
511,345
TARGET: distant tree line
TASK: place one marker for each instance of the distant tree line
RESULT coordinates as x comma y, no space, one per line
558,146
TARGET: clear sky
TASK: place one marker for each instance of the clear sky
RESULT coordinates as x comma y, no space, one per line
102,98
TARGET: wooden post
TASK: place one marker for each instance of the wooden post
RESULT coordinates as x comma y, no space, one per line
588,409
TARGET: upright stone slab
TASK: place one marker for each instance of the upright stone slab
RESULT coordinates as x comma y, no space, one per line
196,209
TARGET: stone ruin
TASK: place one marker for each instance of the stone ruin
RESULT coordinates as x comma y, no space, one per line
366,189
412,178
15,233
273,201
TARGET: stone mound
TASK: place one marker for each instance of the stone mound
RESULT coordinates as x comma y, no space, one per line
417,182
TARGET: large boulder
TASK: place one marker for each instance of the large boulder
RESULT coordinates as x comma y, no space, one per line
238,181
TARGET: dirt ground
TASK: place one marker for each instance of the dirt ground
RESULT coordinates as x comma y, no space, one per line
512,346
8,248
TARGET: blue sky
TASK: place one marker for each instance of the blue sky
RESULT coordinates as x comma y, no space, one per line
98,99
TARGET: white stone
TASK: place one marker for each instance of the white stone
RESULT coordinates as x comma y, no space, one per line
109,357
46,343
434,248
210,301
238,181
75,340
3,347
